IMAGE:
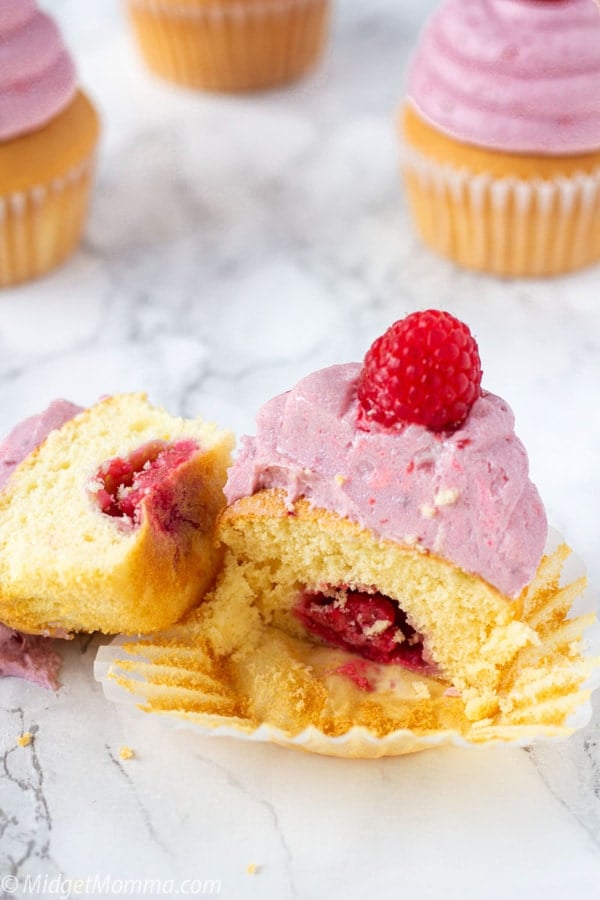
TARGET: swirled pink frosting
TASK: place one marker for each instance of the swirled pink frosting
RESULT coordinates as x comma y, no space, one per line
513,75
37,75
465,496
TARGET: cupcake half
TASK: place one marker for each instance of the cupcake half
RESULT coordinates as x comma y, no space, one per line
230,45
107,517
387,582
48,134
501,135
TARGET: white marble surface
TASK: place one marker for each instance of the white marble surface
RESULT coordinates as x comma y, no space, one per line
234,245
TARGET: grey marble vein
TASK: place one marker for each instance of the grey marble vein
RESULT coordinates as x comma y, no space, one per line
25,815
146,816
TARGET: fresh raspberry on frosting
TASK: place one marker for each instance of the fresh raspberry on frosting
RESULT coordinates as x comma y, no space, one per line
425,370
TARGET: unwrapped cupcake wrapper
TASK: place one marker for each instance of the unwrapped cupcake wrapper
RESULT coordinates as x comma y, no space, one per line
230,46
546,692
505,226
41,226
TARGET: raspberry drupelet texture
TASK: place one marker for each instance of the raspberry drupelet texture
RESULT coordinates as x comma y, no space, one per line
425,370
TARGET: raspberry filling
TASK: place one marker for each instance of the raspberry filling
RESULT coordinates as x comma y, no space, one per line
148,474
369,624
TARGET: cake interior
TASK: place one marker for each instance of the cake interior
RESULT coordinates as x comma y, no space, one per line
245,661
66,565
325,581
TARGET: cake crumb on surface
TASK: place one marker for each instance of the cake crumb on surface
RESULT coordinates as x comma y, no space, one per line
252,869
25,739
126,753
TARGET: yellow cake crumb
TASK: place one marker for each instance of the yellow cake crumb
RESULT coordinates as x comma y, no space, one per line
421,690
446,497
252,869
126,753
25,739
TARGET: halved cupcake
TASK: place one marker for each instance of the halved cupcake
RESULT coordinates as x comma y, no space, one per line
108,523
384,569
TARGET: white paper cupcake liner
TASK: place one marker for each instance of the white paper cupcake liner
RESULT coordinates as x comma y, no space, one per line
133,676
507,226
40,226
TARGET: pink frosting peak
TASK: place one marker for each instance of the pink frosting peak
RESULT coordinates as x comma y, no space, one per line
465,496
514,75
37,75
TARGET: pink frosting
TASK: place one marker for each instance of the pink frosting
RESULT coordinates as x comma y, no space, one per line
30,433
513,75
37,75
23,655
29,656
465,496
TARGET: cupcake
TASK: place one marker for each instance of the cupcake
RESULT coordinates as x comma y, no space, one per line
230,45
387,583
501,135
107,517
48,134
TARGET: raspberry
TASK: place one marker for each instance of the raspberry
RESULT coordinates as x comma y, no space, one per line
123,483
371,625
425,369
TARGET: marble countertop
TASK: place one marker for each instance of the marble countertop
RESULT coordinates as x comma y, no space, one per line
235,244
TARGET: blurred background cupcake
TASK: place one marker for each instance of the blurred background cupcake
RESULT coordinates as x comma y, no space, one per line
501,135
230,45
48,133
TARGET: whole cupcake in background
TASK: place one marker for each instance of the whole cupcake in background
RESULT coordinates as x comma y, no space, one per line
230,45
48,133
501,135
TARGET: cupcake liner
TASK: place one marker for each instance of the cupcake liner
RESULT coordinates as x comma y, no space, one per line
232,46
505,226
544,692
41,226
